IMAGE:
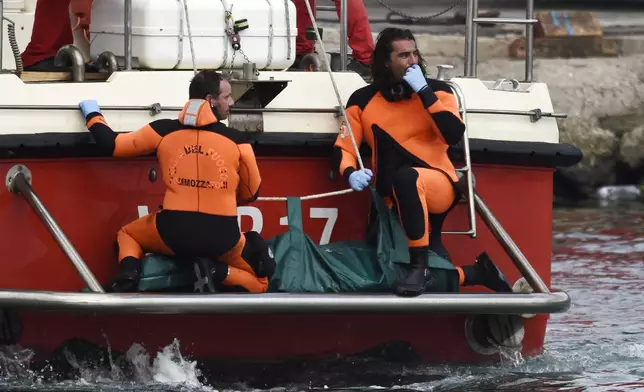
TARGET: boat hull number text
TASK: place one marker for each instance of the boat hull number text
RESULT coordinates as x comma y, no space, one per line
330,214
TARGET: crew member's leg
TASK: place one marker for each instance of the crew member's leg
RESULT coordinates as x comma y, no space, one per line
249,266
483,273
420,193
51,30
359,36
234,260
303,46
134,239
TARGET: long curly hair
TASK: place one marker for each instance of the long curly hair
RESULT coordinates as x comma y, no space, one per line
380,72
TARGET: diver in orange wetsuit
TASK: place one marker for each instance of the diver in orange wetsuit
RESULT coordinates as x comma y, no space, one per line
52,30
208,170
409,122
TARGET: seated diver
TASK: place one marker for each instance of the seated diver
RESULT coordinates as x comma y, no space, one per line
208,170
408,122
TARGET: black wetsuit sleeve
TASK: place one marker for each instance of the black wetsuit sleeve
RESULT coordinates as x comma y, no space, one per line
140,142
441,104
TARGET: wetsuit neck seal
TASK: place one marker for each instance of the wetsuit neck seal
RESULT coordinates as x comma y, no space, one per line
197,113
395,91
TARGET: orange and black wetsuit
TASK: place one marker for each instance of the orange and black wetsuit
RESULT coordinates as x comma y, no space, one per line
408,139
208,171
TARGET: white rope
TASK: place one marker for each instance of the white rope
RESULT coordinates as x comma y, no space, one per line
344,114
335,86
309,197
192,46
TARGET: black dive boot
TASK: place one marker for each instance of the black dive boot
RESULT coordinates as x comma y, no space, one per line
127,279
419,275
485,273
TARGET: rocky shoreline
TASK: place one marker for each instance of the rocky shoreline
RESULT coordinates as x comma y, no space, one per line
604,100
603,96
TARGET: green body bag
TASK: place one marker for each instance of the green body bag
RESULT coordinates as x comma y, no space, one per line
372,265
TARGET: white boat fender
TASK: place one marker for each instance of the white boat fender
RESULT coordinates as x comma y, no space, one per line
522,286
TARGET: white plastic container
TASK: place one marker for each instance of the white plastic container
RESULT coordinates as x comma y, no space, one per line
160,33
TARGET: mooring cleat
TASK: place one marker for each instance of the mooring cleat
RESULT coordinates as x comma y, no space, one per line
491,275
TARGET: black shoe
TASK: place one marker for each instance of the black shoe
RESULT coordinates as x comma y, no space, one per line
128,277
419,276
489,275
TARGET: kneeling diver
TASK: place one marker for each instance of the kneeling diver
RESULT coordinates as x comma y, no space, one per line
208,170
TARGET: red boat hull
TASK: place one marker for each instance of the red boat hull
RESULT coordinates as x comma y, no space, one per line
91,198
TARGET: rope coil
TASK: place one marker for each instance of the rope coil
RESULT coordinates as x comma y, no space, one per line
13,43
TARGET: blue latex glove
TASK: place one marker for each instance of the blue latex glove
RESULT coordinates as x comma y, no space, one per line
359,179
415,78
89,106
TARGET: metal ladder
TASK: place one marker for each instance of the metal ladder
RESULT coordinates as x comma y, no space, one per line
464,172
471,36
471,45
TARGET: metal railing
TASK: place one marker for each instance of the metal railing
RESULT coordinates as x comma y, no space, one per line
18,181
512,250
471,36
344,45
127,25
467,169
344,18
1,31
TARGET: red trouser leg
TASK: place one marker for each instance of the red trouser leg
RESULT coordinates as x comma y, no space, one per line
51,31
358,30
302,44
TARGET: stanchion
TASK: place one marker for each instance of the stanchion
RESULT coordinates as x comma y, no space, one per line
18,181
